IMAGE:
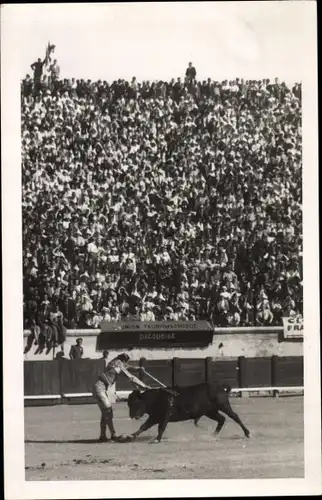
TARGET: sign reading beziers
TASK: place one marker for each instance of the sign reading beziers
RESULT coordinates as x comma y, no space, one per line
154,335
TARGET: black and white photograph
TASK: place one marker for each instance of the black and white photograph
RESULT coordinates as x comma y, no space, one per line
161,301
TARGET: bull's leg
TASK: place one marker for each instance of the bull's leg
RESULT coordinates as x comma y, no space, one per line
214,415
162,426
150,422
196,420
226,408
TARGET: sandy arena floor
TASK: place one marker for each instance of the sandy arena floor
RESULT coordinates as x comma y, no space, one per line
60,445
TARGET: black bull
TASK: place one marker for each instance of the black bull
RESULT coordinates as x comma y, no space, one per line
186,403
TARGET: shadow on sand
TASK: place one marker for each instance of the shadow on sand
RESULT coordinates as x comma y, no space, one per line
83,441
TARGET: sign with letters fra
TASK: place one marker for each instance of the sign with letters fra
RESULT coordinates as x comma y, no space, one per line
154,335
293,327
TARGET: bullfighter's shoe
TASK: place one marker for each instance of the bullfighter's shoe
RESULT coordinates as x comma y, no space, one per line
103,439
114,437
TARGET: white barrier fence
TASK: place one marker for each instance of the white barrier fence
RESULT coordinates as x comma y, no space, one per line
246,391
123,395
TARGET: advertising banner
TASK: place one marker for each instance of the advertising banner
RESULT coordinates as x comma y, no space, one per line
156,334
293,327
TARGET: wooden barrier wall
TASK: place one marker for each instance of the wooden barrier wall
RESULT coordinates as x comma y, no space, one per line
41,377
78,377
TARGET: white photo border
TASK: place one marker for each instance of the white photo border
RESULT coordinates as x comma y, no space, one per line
12,20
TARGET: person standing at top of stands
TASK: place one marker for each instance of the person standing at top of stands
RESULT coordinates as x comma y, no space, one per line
191,74
54,71
77,351
104,394
53,75
37,68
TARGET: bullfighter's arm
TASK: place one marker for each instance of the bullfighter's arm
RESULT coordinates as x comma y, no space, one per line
134,379
134,368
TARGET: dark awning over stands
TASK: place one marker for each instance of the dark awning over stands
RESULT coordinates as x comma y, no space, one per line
154,335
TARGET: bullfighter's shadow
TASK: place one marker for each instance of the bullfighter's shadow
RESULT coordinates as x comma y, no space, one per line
61,441
83,441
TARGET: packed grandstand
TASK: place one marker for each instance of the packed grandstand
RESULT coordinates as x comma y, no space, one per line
161,200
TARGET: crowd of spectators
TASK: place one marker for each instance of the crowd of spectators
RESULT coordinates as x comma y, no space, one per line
161,200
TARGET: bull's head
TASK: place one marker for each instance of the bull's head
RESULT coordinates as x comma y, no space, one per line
136,404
